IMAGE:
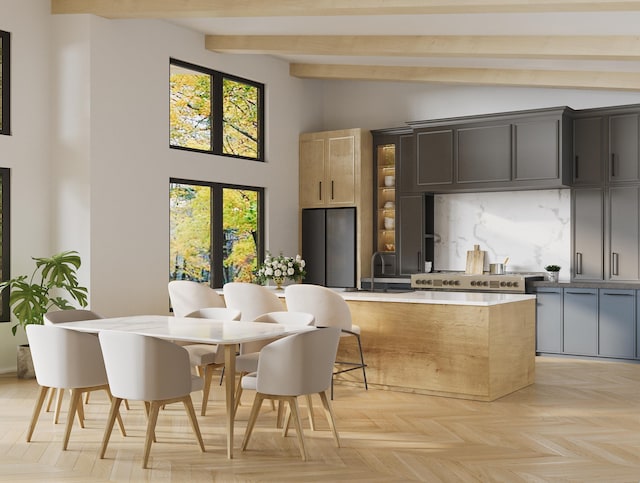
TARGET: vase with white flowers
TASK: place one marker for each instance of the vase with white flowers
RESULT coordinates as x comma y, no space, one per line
281,268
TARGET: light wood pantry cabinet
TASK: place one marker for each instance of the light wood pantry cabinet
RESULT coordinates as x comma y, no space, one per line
331,165
335,171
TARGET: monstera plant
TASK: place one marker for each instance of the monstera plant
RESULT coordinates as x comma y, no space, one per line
53,281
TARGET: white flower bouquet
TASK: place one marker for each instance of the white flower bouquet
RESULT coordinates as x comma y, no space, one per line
281,268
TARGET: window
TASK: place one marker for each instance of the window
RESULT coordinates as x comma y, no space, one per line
215,113
5,315
5,64
216,232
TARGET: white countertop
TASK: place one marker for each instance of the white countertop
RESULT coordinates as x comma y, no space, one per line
432,297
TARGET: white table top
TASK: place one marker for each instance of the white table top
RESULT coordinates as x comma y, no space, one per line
188,329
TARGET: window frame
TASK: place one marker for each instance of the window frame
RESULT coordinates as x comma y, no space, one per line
216,123
5,114
5,174
216,280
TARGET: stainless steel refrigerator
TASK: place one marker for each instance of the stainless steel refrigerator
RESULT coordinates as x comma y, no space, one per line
329,246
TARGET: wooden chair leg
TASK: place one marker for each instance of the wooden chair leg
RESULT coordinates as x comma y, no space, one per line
36,410
56,413
208,375
147,409
280,416
238,394
86,397
80,413
293,404
76,399
151,427
118,417
330,416
115,404
255,410
188,405
52,395
312,424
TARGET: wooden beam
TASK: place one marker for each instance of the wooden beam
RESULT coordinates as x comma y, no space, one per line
500,77
539,47
286,8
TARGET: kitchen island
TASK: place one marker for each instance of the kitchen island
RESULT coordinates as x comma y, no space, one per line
478,346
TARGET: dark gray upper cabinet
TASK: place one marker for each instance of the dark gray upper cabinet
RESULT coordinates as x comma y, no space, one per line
537,149
588,151
434,158
506,151
484,154
623,148
406,163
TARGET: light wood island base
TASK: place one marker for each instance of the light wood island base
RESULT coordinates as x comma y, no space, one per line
462,351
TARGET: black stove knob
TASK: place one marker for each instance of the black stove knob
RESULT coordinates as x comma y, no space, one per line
457,282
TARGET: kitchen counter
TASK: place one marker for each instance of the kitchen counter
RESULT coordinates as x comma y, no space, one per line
436,297
478,346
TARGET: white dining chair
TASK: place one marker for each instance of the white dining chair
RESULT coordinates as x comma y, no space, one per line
186,296
66,359
206,358
247,360
57,317
147,369
293,366
251,299
329,310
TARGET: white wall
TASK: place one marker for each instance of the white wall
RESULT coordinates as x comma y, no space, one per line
27,150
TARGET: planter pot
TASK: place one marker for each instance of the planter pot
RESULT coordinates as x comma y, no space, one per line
25,363
553,276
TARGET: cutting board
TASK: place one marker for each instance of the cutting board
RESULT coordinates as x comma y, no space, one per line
475,261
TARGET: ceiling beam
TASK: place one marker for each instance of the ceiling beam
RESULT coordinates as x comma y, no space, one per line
531,47
286,8
497,77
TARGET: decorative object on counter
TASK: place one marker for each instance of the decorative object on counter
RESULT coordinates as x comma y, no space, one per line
475,261
498,268
389,181
428,266
390,247
553,272
281,268
389,223
389,205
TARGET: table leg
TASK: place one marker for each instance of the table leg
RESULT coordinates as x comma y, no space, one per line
230,387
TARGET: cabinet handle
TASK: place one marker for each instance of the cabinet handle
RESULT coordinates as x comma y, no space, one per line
580,293
332,189
613,166
578,263
320,190
614,264
575,166
418,255
618,294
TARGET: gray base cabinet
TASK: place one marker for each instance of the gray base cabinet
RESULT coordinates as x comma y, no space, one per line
617,323
580,329
594,322
549,307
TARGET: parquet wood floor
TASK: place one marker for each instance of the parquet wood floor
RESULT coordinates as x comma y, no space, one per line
580,422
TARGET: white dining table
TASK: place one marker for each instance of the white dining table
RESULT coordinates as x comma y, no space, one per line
206,331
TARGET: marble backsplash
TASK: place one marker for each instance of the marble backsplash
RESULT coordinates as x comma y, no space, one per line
532,228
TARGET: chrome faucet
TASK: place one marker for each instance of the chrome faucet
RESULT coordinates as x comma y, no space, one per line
373,259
